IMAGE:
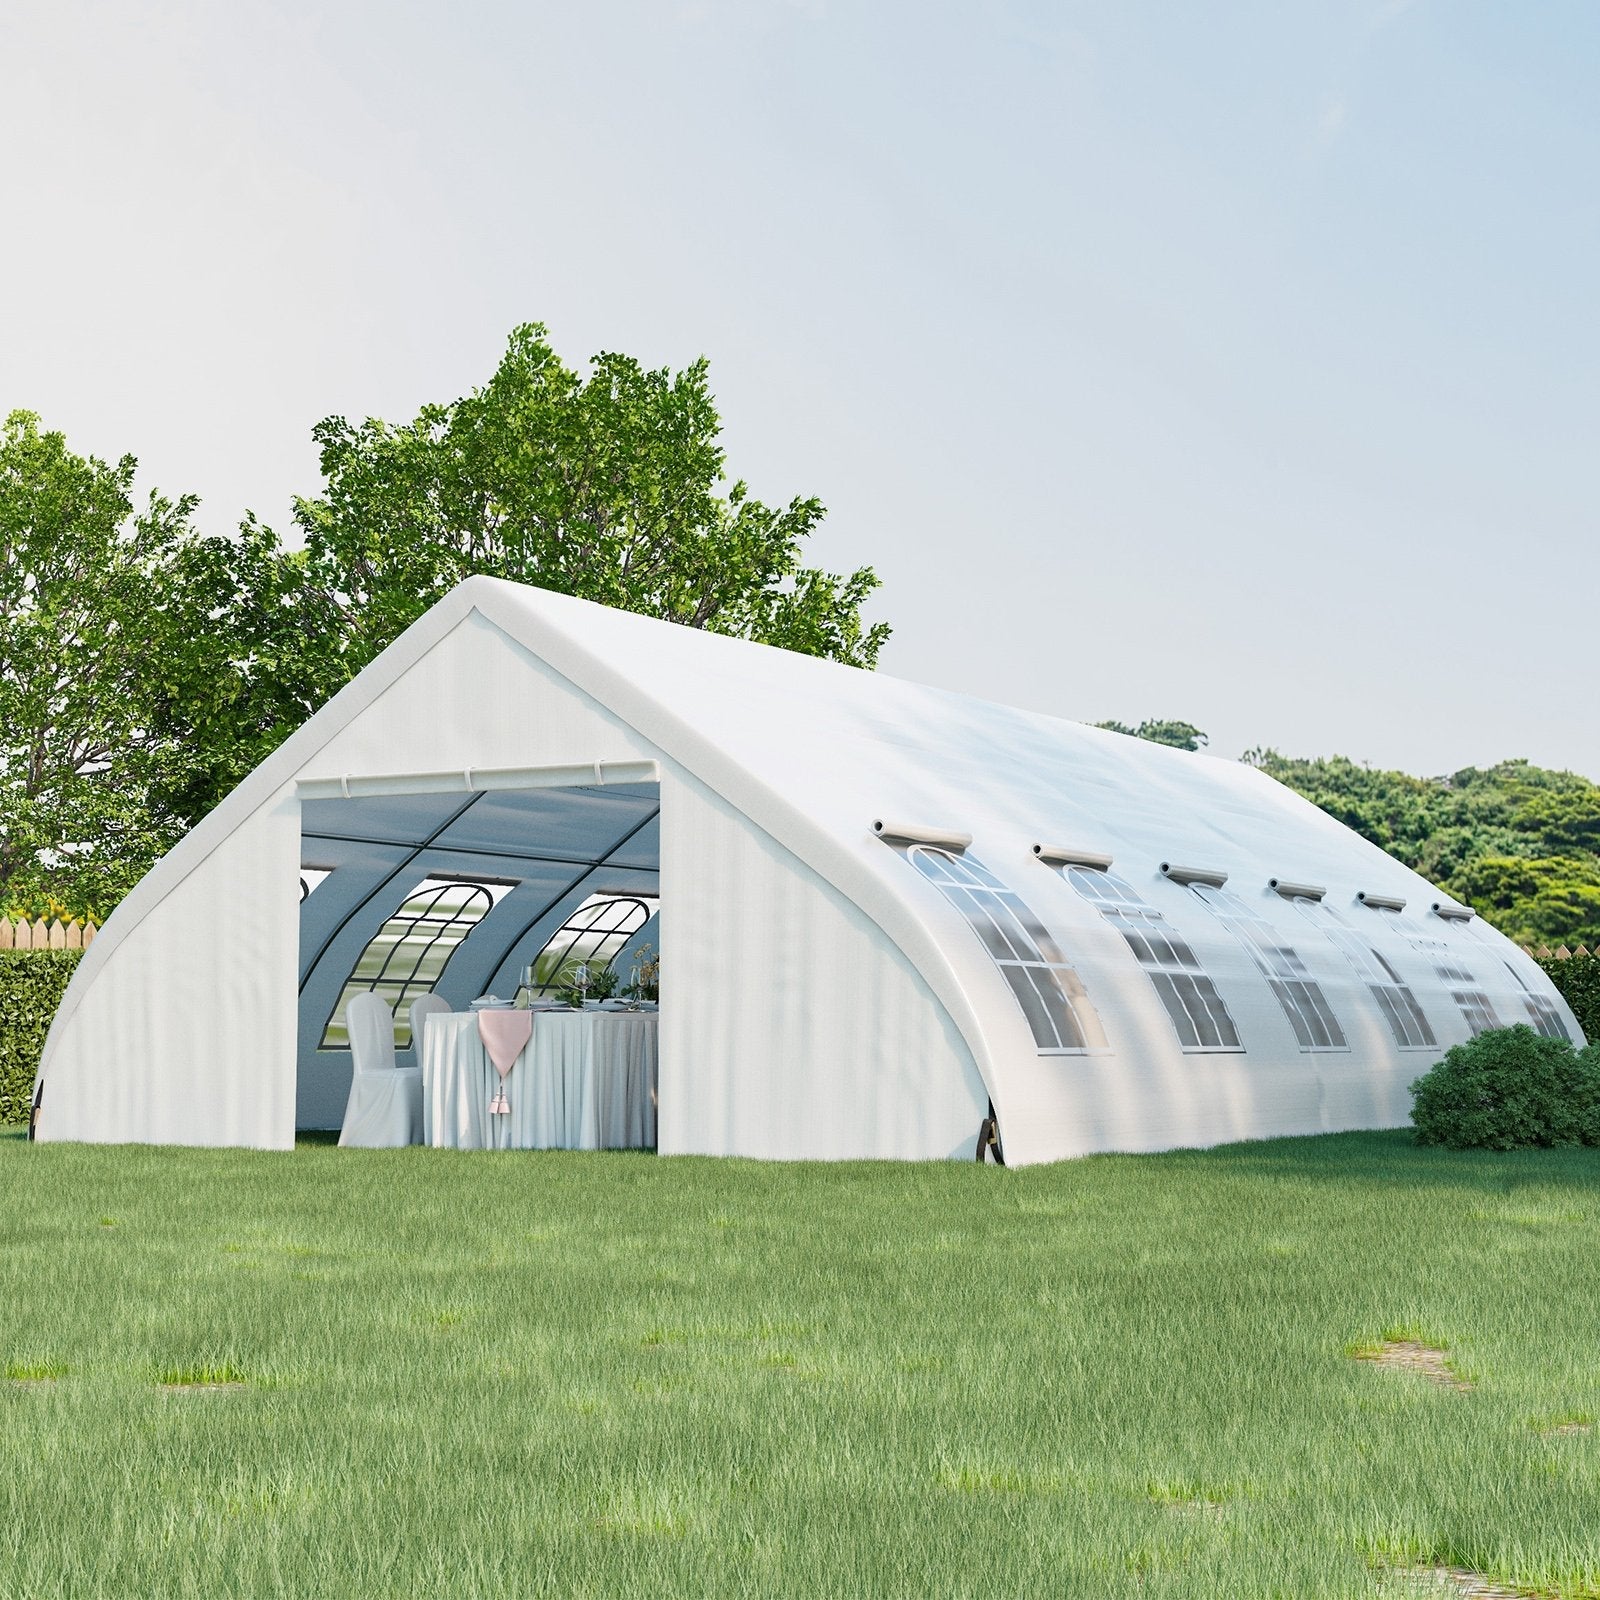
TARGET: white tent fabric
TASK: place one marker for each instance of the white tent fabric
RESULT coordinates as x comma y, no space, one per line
828,989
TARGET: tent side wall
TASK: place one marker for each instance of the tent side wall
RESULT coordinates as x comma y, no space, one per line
793,1027
186,1034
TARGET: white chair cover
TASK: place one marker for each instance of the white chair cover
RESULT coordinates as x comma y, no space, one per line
385,1104
423,1007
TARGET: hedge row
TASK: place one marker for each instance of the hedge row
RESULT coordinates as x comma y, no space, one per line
32,983
1578,979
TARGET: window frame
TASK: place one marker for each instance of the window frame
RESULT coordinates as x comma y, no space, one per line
397,929
648,904
1395,998
1268,948
1044,984
1180,982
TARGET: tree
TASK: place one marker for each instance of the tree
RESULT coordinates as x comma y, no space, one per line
269,653
145,668
1515,841
97,605
610,487
1535,899
1179,735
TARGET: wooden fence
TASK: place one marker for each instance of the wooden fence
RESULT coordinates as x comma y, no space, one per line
41,935
1541,952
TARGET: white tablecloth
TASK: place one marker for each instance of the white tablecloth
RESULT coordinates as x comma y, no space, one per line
585,1081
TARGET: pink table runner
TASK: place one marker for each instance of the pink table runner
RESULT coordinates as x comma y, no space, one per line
505,1036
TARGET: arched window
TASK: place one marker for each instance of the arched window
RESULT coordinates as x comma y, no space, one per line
596,933
1044,983
1392,993
1198,1015
408,954
1300,995
1541,1009
1463,986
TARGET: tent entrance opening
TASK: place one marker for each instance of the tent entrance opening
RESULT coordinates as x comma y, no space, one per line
535,896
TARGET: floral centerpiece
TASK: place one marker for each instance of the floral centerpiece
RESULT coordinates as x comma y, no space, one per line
645,982
586,980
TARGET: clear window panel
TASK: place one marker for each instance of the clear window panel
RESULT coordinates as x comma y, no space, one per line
989,919
1422,1033
1541,1009
1474,1005
596,933
1198,1015
1545,1018
1393,1014
1043,983
1045,1033
1389,990
1216,1026
1299,996
408,954
1294,1012
1183,1022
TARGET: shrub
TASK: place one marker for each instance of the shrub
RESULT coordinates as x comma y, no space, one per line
31,985
1578,979
1509,1089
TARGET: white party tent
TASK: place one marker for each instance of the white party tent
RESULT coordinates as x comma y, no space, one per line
884,909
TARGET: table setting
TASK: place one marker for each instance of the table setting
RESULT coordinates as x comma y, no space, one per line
542,1076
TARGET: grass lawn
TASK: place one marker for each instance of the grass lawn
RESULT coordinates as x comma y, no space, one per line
433,1373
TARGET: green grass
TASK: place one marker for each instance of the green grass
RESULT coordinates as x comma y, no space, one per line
431,1373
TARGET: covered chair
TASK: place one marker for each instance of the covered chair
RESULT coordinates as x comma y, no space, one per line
423,1007
385,1104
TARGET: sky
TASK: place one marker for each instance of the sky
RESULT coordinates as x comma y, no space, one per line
1237,363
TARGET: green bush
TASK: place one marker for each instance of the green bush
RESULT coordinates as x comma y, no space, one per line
1509,1089
32,983
1578,979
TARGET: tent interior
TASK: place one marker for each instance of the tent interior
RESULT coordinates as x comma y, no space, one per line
459,894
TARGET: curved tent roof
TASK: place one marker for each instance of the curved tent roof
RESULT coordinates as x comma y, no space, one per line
1096,999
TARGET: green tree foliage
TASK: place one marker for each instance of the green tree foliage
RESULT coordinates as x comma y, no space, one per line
1179,735
1519,843
1548,900
611,487
1578,979
145,668
270,653
1509,1089
100,606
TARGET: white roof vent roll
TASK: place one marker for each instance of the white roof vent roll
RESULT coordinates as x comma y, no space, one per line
1209,876
912,833
1061,855
1381,902
1296,891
